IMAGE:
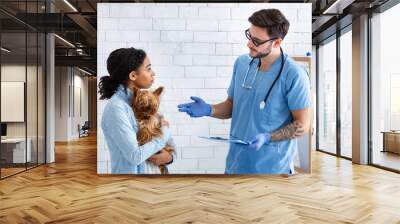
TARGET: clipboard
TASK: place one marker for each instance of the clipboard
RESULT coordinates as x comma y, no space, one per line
229,140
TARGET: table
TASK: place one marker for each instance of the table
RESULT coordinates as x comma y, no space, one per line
391,141
13,150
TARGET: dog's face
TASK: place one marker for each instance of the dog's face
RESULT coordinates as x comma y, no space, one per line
145,103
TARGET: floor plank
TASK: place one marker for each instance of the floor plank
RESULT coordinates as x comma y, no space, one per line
70,191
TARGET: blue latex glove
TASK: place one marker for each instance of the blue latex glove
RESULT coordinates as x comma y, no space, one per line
260,140
198,108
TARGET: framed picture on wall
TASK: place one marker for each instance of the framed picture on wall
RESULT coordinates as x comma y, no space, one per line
12,101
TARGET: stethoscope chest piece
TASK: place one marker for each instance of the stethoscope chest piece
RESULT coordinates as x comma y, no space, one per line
262,105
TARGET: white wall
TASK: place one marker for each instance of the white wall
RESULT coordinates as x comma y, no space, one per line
61,103
17,73
192,48
67,81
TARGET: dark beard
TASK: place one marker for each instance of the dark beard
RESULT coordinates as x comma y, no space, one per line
262,55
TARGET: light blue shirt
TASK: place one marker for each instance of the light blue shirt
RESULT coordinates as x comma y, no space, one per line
120,127
291,92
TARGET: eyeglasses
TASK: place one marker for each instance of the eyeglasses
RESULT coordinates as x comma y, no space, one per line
257,42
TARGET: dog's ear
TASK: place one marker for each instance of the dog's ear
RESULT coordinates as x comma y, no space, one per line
158,91
135,92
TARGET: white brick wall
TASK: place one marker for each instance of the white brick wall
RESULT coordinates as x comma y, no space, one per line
192,47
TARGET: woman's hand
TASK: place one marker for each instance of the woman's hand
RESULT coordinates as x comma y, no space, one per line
161,158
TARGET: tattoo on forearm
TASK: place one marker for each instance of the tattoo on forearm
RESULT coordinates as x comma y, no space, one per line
291,131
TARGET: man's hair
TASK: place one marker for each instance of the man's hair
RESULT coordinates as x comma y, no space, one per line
272,20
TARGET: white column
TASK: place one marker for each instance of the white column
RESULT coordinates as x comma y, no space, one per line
50,103
50,92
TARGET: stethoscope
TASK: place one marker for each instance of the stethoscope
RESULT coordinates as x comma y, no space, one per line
264,102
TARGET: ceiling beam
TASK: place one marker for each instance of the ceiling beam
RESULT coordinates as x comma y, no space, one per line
86,26
337,7
83,61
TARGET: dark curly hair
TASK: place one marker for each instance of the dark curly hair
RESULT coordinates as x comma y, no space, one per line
272,20
120,63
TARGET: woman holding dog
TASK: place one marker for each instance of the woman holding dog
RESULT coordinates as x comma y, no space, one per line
128,68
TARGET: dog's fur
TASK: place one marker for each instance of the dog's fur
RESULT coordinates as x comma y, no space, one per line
145,105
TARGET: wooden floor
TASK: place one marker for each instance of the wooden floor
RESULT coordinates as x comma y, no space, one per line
387,159
70,191
5,172
8,171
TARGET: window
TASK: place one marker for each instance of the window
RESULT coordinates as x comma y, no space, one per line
346,94
327,97
385,89
22,75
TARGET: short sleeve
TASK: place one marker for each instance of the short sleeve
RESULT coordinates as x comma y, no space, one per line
298,89
231,88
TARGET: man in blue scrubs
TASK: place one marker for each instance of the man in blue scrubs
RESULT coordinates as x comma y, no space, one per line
268,101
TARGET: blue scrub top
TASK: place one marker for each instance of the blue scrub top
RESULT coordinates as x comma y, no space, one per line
291,92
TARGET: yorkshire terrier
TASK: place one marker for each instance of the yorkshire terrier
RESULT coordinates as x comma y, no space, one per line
145,105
